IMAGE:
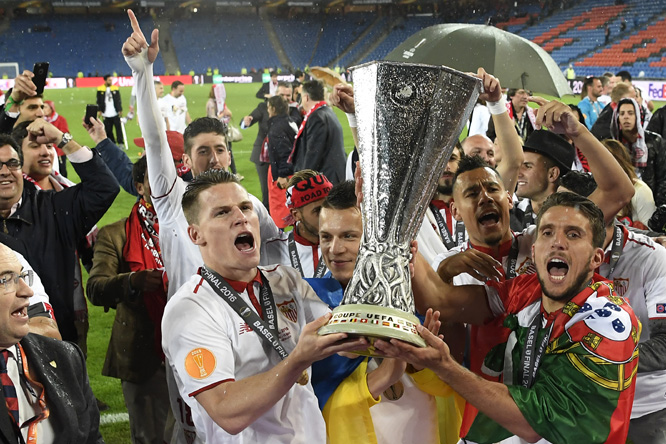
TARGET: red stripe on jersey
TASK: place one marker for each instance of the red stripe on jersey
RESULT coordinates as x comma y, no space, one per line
640,243
167,193
208,387
198,285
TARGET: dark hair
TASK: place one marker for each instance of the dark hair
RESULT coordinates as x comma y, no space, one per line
579,182
139,170
550,163
586,207
280,106
284,84
512,92
106,76
20,132
640,118
202,125
298,73
624,75
199,184
157,82
314,89
6,139
274,73
586,84
36,96
581,117
341,196
470,163
176,84
461,151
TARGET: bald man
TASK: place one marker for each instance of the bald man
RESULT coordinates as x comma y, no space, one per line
480,145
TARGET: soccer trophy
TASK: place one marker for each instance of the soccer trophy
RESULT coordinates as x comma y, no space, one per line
409,117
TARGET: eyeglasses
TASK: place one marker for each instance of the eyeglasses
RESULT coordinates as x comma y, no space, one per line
10,280
12,164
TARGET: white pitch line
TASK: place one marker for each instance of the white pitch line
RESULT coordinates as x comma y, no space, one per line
113,418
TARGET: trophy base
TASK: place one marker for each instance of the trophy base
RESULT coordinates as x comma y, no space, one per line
373,322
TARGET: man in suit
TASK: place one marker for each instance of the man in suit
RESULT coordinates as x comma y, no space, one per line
268,89
319,142
128,275
45,383
111,108
259,116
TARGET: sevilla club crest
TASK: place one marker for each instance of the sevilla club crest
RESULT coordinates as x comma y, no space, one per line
289,310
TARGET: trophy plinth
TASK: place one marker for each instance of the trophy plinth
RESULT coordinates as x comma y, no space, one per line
409,117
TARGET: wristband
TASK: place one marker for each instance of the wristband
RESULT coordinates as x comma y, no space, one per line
10,101
498,107
351,118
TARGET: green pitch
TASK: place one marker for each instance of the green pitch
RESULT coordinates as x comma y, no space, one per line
71,104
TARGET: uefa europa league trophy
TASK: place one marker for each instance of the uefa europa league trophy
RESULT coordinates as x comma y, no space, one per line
409,117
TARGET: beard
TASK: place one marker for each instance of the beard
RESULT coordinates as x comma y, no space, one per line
576,287
446,189
493,240
304,226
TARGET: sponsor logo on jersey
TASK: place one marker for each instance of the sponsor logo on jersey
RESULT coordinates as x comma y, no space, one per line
244,327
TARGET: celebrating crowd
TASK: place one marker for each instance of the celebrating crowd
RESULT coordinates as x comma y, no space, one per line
537,272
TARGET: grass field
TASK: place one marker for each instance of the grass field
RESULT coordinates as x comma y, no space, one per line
71,104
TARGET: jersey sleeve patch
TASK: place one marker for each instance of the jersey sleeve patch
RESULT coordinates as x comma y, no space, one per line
200,363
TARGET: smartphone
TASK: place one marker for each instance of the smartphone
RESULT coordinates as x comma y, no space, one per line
91,112
40,70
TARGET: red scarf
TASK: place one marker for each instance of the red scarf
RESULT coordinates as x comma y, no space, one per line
583,161
302,127
142,252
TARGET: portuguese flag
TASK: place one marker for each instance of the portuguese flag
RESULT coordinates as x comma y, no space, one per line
584,388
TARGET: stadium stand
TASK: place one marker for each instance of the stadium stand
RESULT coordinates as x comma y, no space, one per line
377,30
399,34
57,39
641,51
229,43
313,42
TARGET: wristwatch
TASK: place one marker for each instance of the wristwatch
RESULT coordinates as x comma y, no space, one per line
66,138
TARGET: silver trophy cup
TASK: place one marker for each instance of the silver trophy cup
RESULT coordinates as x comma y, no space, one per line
409,117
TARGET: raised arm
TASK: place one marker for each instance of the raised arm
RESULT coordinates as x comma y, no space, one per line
507,137
140,57
114,157
614,188
342,96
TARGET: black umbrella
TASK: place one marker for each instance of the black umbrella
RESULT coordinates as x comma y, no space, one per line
515,61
